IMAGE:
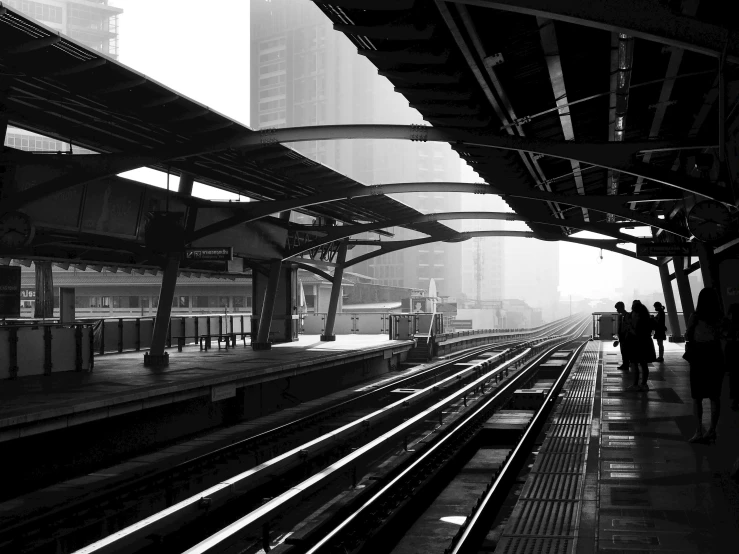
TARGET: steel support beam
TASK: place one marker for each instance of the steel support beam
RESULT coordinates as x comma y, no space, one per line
708,266
157,357
664,275
251,211
268,307
345,231
549,44
617,156
683,287
333,303
393,246
646,19
82,169
314,270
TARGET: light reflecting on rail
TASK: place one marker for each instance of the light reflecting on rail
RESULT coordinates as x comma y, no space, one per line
456,520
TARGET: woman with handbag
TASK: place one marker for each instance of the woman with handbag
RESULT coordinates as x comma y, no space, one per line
731,354
641,346
659,331
703,352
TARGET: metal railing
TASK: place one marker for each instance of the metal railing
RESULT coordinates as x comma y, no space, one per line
38,348
604,325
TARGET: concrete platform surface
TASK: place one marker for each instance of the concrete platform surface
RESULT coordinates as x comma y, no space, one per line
637,484
122,379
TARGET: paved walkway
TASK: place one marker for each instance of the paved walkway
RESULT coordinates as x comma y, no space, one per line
626,479
119,378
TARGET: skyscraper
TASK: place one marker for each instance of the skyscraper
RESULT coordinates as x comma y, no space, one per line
93,23
305,73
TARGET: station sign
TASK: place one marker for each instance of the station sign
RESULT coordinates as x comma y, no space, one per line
210,254
664,249
10,291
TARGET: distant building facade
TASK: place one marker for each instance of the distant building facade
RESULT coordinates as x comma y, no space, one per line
93,23
305,73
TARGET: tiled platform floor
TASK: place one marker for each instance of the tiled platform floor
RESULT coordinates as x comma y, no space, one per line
119,378
655,491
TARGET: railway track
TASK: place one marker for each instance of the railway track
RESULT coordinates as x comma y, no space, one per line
370,520
152,507
377,521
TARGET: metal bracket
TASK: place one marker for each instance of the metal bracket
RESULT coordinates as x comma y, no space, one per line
267,137
419,133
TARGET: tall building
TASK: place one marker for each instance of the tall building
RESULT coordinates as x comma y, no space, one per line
305,73
93,23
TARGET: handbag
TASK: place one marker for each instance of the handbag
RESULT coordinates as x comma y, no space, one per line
689,354
615,343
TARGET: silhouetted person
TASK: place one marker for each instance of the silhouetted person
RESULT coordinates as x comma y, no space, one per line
640,345
624,324
731,354
659,331
703,349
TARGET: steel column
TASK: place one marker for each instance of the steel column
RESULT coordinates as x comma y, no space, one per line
709,270
268,307
664,275
161,337
683,288
156,355
333,303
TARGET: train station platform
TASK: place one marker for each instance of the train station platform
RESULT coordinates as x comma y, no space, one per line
120,384
616,472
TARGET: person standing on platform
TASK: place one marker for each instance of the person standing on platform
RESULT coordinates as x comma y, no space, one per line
624,324
659,331
703,352
640,345
731,354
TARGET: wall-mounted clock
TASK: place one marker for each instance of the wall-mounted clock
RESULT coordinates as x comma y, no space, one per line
709,221
16,230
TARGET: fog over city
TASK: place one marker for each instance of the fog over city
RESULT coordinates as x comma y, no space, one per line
212,67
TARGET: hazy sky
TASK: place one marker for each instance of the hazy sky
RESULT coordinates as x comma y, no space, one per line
204,54
199,49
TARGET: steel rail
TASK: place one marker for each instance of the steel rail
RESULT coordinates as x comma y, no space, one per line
235,485
260,439
278,504
469,536
458,429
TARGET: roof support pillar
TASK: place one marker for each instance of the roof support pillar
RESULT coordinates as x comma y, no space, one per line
664,275
156,356
268,307
333,303
44,303
683,287
709,267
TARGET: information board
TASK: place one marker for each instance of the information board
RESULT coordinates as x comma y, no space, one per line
10,291
664,249
212,254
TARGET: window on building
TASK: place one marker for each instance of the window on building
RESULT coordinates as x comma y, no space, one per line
184,301
310,300
200,301
144,301
238,301
248,301
223,301
42,12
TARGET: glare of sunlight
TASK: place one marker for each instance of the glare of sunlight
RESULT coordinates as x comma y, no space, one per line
640,231
456,520
157,178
